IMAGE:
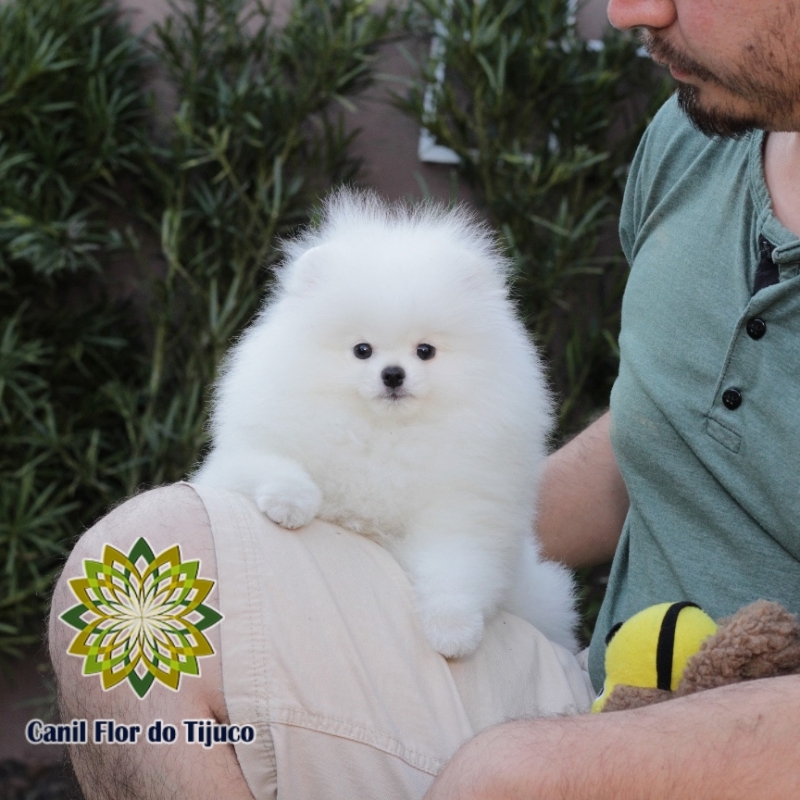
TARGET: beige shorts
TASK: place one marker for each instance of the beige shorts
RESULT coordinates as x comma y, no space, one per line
323,654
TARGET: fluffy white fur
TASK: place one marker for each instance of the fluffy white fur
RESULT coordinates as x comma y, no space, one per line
442,470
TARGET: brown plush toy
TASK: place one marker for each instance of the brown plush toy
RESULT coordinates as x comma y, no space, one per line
674,649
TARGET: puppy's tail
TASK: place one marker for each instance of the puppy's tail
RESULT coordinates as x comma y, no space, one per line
543,593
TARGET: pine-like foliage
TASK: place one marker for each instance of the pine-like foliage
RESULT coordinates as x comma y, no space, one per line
136,242
98,398
545,125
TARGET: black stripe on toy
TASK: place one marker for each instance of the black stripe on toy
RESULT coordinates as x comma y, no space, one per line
666,644
612,633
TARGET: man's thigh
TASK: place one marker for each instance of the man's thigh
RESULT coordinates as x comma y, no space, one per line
165,517
320,649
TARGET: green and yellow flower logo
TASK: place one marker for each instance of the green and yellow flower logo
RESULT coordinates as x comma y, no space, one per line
141,617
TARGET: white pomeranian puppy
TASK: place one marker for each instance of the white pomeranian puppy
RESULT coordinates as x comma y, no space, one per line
389,387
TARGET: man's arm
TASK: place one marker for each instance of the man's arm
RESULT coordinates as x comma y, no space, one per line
583,501
735,743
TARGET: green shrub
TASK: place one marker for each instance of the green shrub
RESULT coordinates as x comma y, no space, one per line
545,125
102,391
97,397
71,122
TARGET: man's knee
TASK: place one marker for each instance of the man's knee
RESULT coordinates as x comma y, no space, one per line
164,518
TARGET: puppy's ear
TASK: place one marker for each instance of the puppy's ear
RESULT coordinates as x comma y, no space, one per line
487,276
301,275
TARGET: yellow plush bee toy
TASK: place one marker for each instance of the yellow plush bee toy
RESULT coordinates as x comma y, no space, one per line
674,649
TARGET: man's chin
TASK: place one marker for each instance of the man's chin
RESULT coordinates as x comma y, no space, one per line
710,121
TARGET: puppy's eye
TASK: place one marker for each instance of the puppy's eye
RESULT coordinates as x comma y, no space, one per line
362,350
426,351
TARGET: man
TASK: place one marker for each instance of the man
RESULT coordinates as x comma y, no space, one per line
685,463
703,420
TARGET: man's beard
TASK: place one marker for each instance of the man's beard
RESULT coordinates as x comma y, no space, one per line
712,121
769,106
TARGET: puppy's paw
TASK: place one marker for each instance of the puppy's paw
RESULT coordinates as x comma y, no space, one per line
292,503
452,632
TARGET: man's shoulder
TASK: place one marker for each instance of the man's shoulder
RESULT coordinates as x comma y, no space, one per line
670,121
675,172
671,143
672,147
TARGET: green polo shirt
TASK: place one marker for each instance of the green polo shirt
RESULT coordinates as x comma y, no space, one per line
706,409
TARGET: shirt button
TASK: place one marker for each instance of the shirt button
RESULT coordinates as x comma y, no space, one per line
732,398
756,328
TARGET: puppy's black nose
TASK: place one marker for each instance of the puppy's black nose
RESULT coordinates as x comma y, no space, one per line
393,376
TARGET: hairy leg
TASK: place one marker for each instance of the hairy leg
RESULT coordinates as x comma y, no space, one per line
166,517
